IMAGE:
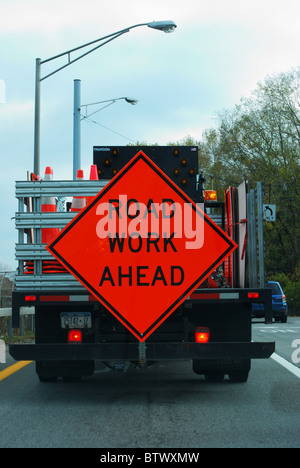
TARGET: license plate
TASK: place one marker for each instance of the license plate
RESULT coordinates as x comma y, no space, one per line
76,320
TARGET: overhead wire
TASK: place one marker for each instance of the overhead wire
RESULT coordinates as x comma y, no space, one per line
106,128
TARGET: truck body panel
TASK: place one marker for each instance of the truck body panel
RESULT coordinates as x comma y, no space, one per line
222,304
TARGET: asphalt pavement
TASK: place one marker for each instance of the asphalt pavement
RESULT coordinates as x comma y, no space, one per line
165,406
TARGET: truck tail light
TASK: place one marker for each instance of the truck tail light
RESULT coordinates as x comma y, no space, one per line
202,335
30,298
74,336
253,295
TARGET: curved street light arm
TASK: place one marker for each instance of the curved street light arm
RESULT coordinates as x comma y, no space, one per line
77,58
108,103
166,26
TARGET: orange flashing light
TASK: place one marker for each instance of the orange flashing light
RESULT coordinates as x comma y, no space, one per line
210,195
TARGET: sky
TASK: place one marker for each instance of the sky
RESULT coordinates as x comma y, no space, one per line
218,53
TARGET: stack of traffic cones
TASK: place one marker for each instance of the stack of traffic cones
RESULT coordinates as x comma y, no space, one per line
48,205
78,203
48,266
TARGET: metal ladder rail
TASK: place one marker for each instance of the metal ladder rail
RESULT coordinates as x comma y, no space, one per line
36,220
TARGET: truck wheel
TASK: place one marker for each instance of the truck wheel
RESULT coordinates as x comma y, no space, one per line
45,372
211,376
197,367
238,376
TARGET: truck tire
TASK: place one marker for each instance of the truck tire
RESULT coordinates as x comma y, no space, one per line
44,372
48,330
211,376
69,371
197,367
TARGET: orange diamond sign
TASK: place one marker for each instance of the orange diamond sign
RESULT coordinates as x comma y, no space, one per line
141,246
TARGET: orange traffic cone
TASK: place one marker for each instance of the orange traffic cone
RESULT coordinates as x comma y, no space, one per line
93,176
53,266
78,202
28,267
48,205
94,172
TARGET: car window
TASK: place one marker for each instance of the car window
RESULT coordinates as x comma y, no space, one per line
275,288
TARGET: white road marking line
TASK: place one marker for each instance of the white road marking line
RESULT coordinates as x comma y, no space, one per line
283,362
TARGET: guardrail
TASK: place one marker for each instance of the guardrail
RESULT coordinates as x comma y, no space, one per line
24,311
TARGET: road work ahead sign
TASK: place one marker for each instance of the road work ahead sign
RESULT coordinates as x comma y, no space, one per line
141,246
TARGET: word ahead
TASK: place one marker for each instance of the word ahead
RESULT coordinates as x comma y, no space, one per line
140,276
141,246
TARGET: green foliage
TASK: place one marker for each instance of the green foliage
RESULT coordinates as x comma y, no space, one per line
260,140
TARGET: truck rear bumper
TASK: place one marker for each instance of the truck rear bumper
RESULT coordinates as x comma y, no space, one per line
130,351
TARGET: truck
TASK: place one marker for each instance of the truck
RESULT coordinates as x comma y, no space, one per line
77,324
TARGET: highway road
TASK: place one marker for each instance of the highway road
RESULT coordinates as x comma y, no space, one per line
164,407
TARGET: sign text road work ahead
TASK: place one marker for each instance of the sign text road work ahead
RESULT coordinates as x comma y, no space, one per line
141,246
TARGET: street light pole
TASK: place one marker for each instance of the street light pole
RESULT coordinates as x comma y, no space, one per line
37,118
78,117
165,26
76,130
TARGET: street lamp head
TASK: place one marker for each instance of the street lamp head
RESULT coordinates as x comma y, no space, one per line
131,101
165,26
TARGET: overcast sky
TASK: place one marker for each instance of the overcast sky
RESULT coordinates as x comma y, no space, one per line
220,50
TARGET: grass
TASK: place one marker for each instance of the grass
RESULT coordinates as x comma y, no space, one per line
27,337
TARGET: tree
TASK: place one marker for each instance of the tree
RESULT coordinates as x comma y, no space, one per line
260,140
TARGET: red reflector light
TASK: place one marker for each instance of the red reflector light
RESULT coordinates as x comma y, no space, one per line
202,335
30,298
74,336
253,295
